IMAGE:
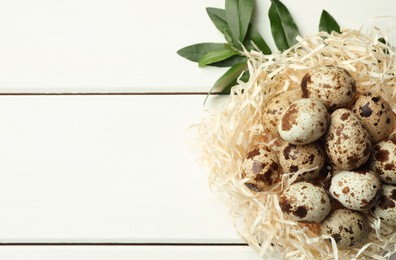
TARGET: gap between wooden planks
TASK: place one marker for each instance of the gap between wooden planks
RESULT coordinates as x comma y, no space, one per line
123,244
127,253
105,94
113,94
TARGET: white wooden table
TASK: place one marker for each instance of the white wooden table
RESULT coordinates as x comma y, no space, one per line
94,105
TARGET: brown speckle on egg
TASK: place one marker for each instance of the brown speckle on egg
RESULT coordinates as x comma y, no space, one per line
261,167
357,190
386,207
347,142
289,117
305,201
348,228
334,86
293,158
303,122
275,107
253,153
365,110
383,161
375,114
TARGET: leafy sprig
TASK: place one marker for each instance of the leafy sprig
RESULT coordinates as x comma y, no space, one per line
283,28
234,22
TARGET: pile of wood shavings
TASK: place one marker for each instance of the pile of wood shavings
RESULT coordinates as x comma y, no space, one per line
226,134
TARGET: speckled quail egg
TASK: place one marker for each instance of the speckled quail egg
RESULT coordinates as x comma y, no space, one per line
275,107
334,86
383,161
375,114
293,158
261,167
386,207
357,190
305,201
348,228
303,122
347,142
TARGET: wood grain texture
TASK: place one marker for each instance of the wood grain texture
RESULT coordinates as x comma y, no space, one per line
130,46
111,168
105,169
127,253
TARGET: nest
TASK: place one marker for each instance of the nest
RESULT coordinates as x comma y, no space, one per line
226,134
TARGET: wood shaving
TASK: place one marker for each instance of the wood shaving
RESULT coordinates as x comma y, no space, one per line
226,134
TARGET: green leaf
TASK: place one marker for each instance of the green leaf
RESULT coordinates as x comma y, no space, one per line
216,56
218,17
229,39
232,17
284,30
196,51
244,77
254,36
229,78
230,61
382,40
245,15
224,84
327,23
238,15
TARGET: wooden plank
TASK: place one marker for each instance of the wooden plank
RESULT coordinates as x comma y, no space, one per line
130,46
102,46
127,253
130,252
105,169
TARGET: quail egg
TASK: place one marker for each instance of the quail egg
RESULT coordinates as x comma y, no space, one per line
303,122
383,161
375,114
347,142
293,158
348,228
334,86
275,107
357,190
386,207
305,201
261,167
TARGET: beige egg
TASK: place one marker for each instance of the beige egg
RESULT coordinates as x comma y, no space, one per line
356,190
305,201
375,114
293,158
348,228
275,107
383,160
261,168
386,207
334,86
347,142
303,122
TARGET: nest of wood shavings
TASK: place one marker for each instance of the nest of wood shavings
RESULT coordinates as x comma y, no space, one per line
226,134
